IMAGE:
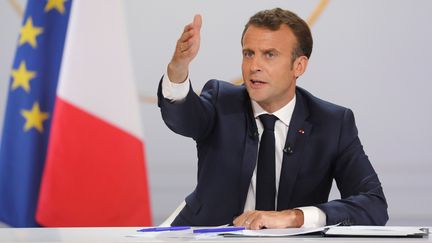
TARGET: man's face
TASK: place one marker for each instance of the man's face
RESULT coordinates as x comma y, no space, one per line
268,71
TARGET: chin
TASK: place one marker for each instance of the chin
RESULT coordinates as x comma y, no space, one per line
257,98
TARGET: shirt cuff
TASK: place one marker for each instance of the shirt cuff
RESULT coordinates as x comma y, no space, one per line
175,91
313,217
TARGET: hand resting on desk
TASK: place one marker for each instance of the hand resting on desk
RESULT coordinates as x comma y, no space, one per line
291,218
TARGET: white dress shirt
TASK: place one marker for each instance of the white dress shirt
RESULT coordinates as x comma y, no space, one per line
313,216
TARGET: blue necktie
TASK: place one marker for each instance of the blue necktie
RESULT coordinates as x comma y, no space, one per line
266,178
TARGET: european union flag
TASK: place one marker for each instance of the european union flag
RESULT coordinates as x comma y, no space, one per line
29,109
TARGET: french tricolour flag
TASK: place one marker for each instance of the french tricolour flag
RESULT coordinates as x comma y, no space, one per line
95,171
73,156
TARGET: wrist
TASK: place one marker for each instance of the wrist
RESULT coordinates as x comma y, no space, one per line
177,73
294,218
299,218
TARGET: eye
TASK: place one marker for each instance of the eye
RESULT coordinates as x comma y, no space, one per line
248,54
270,54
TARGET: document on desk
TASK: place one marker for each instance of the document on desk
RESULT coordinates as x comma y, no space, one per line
326,231
337,231
276,232
376,231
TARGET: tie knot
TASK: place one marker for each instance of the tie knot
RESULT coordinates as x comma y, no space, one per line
268,121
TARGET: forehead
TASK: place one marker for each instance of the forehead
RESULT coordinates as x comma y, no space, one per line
261,37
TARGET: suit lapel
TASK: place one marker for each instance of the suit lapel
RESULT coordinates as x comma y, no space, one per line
298,133
250,153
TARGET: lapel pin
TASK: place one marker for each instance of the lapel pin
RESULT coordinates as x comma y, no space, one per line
301,131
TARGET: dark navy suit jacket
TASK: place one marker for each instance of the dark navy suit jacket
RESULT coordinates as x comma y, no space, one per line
321,145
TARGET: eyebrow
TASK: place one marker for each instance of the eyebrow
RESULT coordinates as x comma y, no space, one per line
247,50
263,51
270,50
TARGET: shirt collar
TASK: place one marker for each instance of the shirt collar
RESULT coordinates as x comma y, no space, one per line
284,114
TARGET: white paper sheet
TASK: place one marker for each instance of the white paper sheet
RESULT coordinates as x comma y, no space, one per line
368,231
275,232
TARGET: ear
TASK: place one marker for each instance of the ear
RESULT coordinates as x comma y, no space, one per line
300,65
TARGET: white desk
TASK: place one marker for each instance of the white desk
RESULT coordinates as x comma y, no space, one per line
119,234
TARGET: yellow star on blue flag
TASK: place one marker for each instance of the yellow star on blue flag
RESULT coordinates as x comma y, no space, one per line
58,5
21,77
29,32
34,118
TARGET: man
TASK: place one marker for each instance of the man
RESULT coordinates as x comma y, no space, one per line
311,141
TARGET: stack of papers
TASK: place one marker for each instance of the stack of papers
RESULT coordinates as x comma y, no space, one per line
337,231
275,232
377,231
186,232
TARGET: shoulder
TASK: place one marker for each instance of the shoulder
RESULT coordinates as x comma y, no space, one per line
333,120
223,86
222,91
321,109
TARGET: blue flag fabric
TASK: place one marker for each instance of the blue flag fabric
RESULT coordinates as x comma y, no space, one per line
29,109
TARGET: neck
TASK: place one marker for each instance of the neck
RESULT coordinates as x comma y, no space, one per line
272,107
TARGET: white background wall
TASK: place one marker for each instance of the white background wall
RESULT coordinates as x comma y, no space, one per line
371,56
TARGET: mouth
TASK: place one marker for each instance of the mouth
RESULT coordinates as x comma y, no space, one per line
256,83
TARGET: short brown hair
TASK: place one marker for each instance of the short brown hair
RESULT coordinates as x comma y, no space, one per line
273,18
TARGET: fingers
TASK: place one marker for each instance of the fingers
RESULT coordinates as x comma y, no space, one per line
188,27
251,220
270,219
186,35
197,22
186,41
240,220
191,35
190,38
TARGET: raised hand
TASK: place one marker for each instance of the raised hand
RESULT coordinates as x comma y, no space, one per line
186,50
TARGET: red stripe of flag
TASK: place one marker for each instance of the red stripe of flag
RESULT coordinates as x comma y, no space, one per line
95,173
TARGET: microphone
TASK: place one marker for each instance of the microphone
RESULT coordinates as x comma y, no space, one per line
288,149
253,134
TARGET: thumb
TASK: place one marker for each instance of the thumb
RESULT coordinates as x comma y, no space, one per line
197,21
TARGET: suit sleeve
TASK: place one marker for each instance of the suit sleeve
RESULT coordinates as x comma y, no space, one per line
193,116
362,199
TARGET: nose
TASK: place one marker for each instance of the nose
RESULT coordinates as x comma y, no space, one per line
255,65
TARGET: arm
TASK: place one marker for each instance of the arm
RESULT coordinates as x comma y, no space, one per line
362,199
183,111
192,116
